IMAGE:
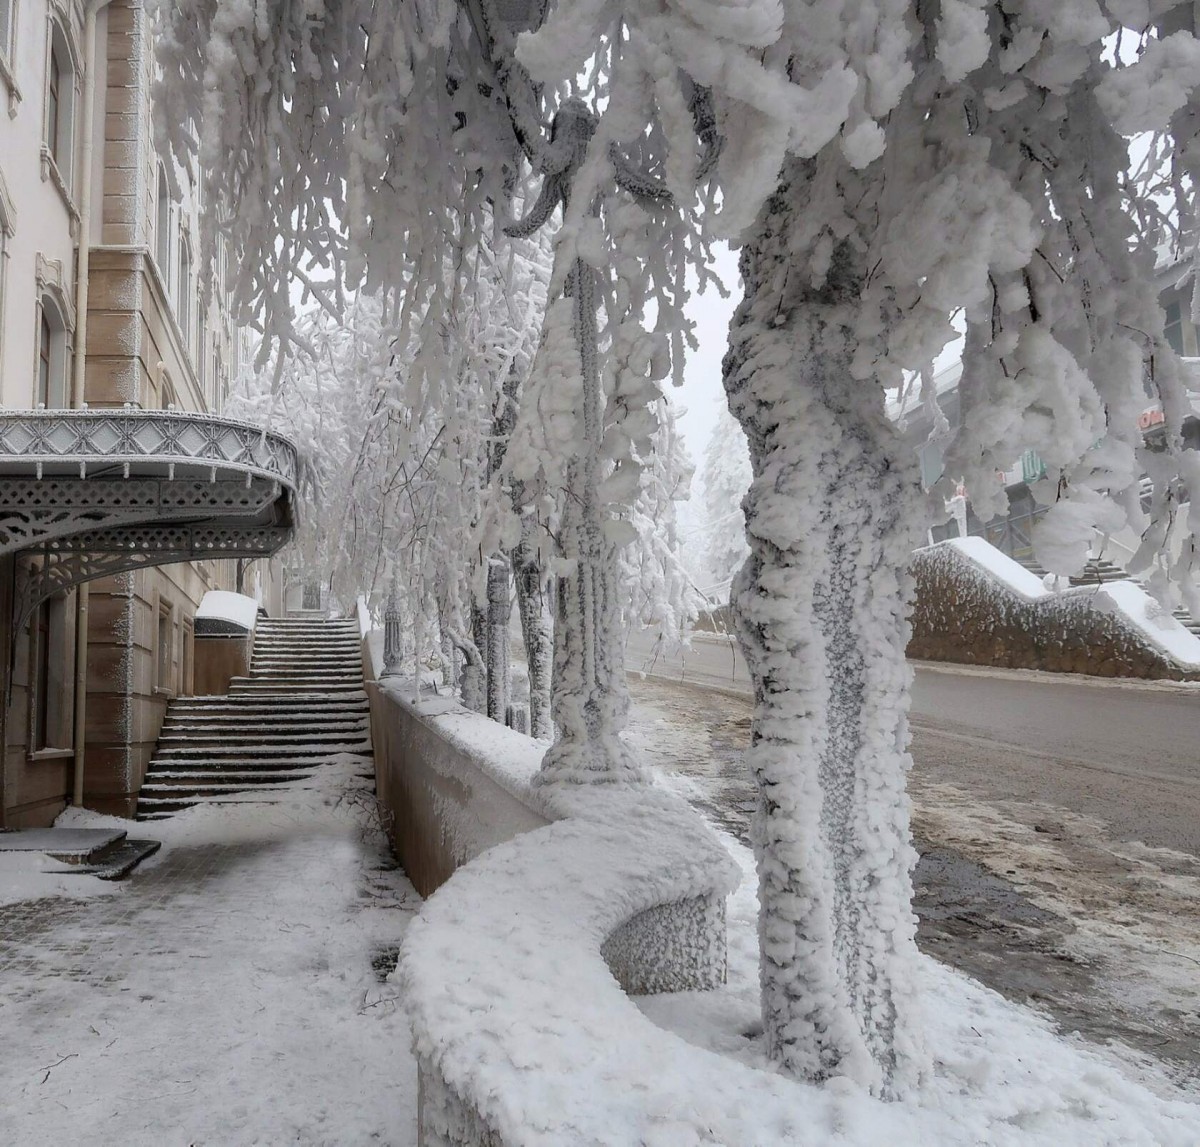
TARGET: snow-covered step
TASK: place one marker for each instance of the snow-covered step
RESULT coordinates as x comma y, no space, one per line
303,673
169,782
291,664
310,705
274,646
220,766
197,731
306,687
157,808
251,752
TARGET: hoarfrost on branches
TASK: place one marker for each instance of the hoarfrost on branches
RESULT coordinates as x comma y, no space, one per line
884,164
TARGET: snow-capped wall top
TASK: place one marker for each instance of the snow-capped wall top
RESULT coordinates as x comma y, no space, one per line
232,609
1009,573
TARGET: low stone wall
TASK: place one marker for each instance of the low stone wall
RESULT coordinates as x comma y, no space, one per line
965,613
441,806
548,903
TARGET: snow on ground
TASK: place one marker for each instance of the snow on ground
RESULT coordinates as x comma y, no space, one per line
222,605
1001,1074
224,993
33,876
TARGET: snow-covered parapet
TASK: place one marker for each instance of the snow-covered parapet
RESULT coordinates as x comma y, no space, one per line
223,612
515,973
976,605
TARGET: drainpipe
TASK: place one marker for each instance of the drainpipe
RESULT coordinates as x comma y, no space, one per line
87,115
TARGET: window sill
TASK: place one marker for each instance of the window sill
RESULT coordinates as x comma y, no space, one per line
10,82
51,755
51,171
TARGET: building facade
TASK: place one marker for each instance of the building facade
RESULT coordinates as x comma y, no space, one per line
115,465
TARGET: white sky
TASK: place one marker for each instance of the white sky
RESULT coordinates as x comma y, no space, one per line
702,393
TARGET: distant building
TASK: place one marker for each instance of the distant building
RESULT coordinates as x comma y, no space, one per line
147,497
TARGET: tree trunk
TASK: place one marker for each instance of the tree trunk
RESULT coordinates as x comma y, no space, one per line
589,698
821,609
499,609
536,631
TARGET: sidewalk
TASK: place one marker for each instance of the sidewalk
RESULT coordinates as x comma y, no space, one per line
224,994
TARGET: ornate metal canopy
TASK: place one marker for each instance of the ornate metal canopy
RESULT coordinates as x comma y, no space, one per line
88,493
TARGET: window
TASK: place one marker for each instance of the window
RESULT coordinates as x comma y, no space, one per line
1174,326
164,646
60,102
184,305
44,339
49,709
52,104
6,233
53,353
162,227
202,356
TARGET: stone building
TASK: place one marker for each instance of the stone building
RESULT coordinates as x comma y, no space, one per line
124,495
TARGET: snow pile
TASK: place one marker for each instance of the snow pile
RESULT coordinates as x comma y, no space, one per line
232,609
987,581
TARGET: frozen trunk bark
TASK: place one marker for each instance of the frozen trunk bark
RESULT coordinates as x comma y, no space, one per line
589,699
536,629
821,607
499,607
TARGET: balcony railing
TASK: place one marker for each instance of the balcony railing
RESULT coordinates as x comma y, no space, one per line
147,442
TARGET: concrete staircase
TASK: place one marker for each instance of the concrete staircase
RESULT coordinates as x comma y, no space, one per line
302,704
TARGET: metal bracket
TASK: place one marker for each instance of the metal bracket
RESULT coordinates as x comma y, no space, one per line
71,561
33,513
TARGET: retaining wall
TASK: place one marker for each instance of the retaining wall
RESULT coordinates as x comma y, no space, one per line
550,906
975,606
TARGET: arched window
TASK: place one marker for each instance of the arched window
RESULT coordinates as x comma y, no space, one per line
184,308
52,355
60,102
162,227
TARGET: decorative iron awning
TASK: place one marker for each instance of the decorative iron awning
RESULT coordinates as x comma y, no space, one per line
97,492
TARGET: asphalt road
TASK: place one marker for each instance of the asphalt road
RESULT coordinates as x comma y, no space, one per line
1125,752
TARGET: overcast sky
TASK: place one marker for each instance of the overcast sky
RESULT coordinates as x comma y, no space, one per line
702,377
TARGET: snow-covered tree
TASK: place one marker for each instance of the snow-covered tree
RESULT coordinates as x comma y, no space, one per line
726,476
883,163
657,590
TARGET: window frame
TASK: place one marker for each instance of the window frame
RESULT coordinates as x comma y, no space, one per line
50,732
53,392
183,297
164,647
60,97
162,227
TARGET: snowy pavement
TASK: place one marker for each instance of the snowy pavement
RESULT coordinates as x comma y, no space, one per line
1047,906
230,991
